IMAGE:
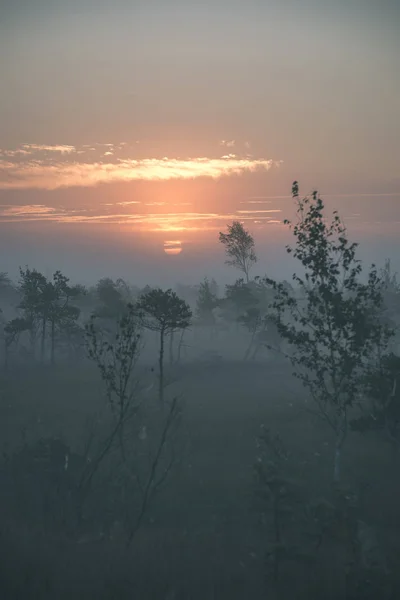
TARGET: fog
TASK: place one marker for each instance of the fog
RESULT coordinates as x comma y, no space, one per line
188,410
89,251
157,442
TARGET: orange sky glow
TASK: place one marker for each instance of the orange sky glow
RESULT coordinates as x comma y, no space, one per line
33,166
157,137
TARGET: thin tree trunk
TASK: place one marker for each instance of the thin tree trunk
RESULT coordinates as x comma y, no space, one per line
161,368
71,352
340,438
43,340
150,486
171,348
250,345
337,463
178,359
53,331
32,338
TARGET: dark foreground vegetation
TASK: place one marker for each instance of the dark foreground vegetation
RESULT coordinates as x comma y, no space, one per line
191,444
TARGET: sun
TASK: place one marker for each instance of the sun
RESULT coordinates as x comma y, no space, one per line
172,247
172,251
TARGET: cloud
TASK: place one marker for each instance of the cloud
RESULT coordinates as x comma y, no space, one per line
27,210
30,148
255,202
252,212
227,143
44,172
175,222
155,222
13,153
267,198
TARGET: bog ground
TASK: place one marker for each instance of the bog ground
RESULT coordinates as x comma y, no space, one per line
202,537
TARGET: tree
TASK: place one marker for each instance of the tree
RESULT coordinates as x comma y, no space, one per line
391,299
239,297
254,323
253,301
6,285
164,312
8,292
60,313
111,297
72,336
4,279
206,302
46,303
117,360
239,247
126,291
382,387
214,287
33,288
277,495
12,331
335,330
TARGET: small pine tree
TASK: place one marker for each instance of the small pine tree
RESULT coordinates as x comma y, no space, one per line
164,312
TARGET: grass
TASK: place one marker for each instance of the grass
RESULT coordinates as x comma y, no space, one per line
202,537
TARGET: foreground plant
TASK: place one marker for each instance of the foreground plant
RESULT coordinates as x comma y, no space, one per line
277,493
334,328
138,475
382,387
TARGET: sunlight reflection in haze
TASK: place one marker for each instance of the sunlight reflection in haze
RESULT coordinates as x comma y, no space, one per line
151,222
173,247
362,215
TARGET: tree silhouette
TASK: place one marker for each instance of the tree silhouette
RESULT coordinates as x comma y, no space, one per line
240,297
391,299
253,322
12,331
164,312
335,330
61,313
111,299
206,302
45,303
5,281
33,289
116,361
239,247
382,387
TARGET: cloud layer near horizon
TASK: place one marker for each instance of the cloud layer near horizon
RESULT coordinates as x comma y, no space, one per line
33,166
112,214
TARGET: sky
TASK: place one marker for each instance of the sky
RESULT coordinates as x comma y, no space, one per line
132,132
